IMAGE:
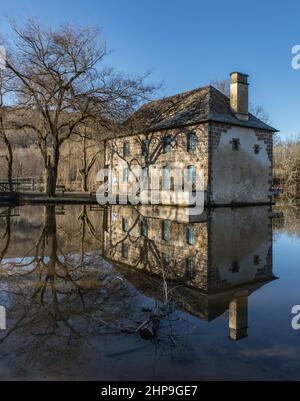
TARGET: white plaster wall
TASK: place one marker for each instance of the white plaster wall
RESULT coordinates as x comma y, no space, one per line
239,235
240,176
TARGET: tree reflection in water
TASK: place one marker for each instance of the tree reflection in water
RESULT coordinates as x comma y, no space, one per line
66,284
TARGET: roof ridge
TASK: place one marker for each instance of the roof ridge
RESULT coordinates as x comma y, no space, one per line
177,94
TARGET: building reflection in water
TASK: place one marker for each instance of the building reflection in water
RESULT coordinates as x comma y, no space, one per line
205,265
208,266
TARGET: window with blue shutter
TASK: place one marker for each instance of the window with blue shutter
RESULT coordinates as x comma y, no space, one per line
145,178
145,147
190,269
191,141
166,178
125,225
192,174
165,230
125,251
167,142
191,237
126,175
126,149
144,228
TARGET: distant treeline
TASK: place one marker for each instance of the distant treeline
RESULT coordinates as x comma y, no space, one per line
76,156
287,167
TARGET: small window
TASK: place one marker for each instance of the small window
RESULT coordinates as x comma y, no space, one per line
166,179
190,269
145,147
257,149
167,142
165,230
144,228
191,141
256,260
125,225
235,267
191,237
126,175
125,251
236,143
126,149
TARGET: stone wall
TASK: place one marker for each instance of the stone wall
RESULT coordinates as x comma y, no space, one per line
237,162
233,247
152,254
179,157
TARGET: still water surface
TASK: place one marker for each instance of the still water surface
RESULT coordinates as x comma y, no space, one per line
147,294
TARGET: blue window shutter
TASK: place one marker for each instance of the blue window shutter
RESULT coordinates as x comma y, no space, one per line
192,174
125,251
191,239
165,230
166,179
126,149
191,141
125,225
167,141
144,228
125,175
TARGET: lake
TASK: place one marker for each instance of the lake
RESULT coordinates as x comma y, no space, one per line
148,293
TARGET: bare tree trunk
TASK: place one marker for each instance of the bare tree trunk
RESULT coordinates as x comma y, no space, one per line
85,183
10,160
52,174
9,156
3,136
84,170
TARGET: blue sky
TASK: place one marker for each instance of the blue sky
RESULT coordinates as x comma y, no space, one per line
188,44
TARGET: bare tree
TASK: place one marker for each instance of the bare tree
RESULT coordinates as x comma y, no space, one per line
222,85
4,90
61,80
90,152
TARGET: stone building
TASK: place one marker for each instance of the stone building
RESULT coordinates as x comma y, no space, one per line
205,133
207,267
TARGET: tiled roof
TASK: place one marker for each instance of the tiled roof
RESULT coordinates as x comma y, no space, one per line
196,106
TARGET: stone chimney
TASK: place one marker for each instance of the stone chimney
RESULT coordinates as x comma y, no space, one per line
238,316
239,97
